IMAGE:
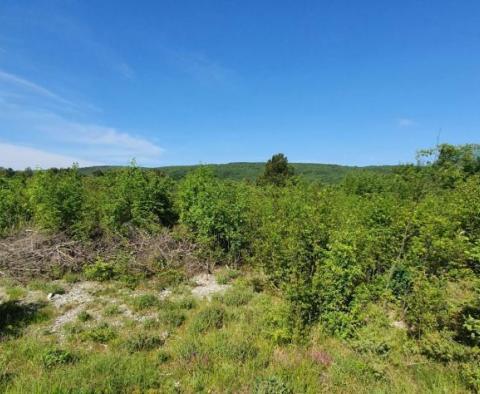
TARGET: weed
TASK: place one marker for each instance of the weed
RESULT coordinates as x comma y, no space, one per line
170,278
226,275
151,324
55,357
16,293
102,333
73,329
211,317
84,316
47,287
172,317
163,356
236,296
143,342
272,385
226,347
111,310
188,349
144,301
71,277
257,284
187,303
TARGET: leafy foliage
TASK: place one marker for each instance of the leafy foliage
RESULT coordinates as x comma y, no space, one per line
404,241
214,211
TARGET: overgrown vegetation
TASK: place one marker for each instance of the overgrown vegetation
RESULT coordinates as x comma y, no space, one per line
383,268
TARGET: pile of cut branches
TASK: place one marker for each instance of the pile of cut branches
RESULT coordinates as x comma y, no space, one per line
32,254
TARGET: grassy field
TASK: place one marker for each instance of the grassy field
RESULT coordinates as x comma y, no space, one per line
109,337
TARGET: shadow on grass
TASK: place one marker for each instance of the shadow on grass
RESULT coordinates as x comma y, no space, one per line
15,315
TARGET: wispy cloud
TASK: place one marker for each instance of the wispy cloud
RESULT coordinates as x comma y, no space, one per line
125,70
76,33
31,87
89,141
98,141
199,66
406,122
20,157
29,120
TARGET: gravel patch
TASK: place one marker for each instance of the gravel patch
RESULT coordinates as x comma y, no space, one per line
80,293
206,286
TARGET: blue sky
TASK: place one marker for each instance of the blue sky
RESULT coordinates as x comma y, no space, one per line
182,82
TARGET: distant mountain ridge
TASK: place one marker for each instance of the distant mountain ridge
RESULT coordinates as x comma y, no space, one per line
328,173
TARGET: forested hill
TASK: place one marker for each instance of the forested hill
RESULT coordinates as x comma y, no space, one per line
328,173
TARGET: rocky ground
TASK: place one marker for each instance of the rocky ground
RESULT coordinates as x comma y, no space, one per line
106,301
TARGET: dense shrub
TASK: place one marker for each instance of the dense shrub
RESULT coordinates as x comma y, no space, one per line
215,211
57,199
133,197
14,209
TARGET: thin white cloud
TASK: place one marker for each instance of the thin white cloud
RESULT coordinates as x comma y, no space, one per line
37,117
112,144
406,122
75,32
90,141
125,70
20,157
199,66
32,87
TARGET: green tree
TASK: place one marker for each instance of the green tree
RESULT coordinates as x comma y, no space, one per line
277,171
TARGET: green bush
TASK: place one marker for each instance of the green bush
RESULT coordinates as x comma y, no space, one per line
57,199
426,307
215,211
472,328
136,198
471,374
14,207
101,270
440,346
